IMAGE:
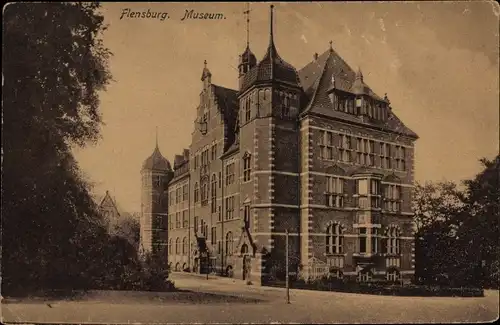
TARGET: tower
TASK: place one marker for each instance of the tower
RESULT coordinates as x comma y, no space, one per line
156,173
269,101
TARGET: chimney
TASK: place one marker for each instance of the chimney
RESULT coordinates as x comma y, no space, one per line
315,56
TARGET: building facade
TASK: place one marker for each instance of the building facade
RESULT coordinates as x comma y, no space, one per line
314,153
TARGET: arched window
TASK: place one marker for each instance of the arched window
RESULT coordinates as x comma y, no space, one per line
170,247
334,239
393,240
204,192
214,194
246,167
244,249
196,192
177,246
184,246
229,243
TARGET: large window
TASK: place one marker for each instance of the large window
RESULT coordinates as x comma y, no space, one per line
368,193
184,219
375,239
326,145
177,220
184,246
334,192
184,192
229,243
196,192
214,151
214,194
177,246
385,155
204,192
230,173
393,240
345,148
392,198
230,208
334,239
400,158
170,247
362,236
246,168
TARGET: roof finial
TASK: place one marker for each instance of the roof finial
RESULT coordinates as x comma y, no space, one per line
205,64
247,13
271,27
331,47
157,137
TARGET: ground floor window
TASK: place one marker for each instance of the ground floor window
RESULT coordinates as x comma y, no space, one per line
365,276
392,275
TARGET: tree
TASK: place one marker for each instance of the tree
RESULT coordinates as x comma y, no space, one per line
54,66
480,230
436,207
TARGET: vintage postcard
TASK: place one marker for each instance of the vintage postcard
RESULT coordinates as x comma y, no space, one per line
250,162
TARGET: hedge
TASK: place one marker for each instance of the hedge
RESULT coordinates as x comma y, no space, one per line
389,289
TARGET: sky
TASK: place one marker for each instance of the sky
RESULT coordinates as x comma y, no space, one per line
437,61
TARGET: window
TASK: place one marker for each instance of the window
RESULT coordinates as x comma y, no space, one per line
219,213
171,198
334,192
196,192
229,243
184,246
363,187
214,151
327,149
157,181
195,224
230,208
177,246
246,217
170,222
213,237
393,240
230,173
170,247
392,275
400,158
385,155
196,161
220,179
374,191
246,168
204,192
214,194
374,239
247,110
362,234
334,239
365,276
178,220
344,148
184,192
178,195
184,219
392,198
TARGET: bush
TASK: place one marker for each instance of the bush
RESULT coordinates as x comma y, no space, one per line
327,283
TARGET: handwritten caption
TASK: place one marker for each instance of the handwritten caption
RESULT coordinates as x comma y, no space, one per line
189,14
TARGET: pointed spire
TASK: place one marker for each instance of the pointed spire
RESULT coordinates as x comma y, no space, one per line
206,73
247,13
157,137
331,46
359,74
271,34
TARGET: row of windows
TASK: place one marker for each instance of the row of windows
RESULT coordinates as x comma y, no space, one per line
360,106
347,148
390,243
287,101
367,194
179,195
183,250
181,220
206,157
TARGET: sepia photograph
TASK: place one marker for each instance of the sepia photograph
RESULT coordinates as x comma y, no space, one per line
250,162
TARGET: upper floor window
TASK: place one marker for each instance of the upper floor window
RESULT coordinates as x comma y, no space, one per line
246,168
334,192
184,192
178,194
362,240
204,192
246,217
230,208
334,239
177,246
385,155
184,246
326,145
400,158
214,194
214,152
392,198
196,192
230,173
184,219
170,247
213,236
247,110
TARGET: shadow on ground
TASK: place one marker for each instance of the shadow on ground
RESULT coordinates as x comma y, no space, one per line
147,297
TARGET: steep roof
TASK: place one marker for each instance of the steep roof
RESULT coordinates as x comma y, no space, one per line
316,80
157,162
108,201
228,104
